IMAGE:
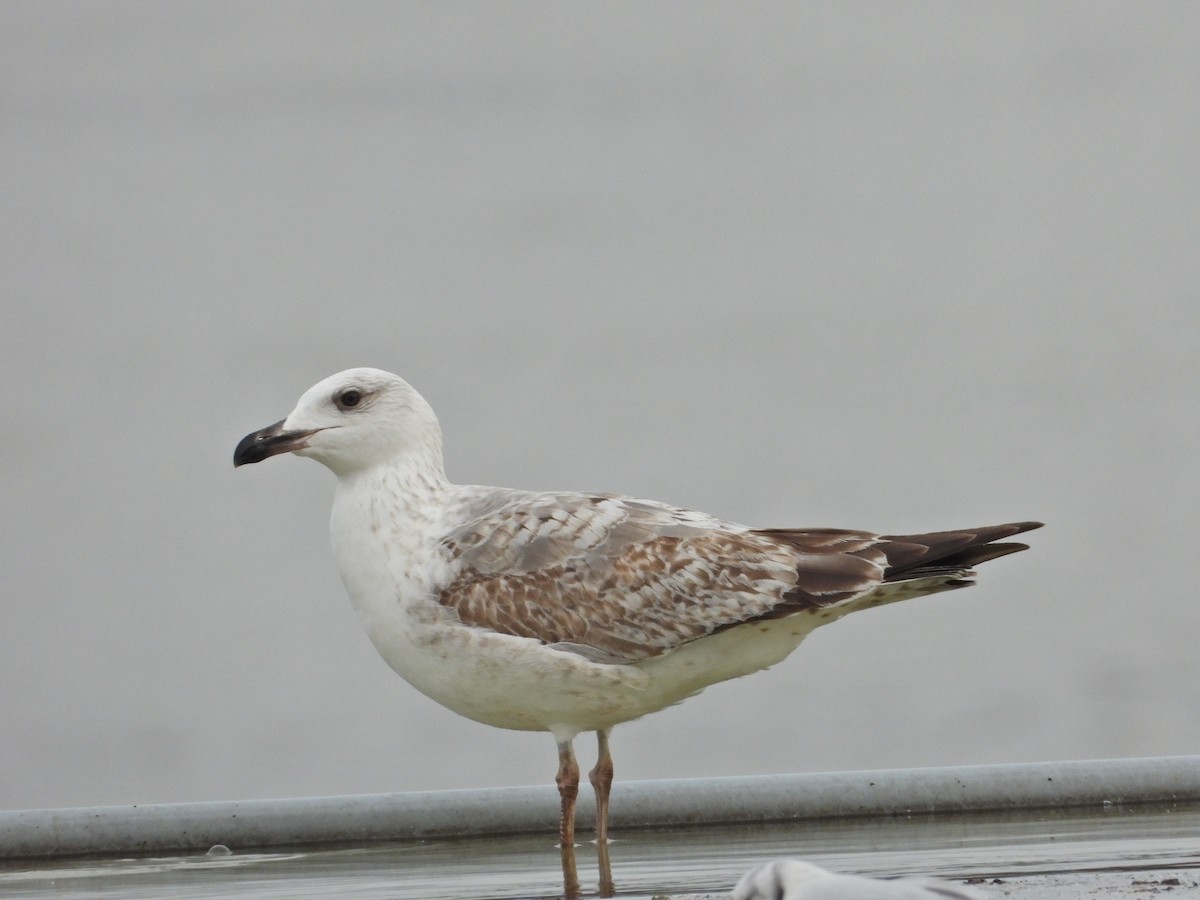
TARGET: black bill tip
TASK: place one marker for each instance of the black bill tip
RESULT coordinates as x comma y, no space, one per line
266,442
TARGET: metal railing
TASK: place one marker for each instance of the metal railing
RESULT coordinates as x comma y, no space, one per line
256,824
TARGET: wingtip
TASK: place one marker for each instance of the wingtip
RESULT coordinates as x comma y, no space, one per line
1012,528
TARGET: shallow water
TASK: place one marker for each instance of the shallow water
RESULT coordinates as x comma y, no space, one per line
1047,854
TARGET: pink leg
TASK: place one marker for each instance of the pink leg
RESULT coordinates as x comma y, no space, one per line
601,778
568,789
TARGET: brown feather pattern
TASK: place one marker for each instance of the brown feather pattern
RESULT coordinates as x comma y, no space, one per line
622,580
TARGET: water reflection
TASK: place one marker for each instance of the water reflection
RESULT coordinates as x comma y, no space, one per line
570,871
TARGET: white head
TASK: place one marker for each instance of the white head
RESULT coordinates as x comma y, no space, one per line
352,421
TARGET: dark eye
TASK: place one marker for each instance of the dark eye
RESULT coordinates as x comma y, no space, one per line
348,399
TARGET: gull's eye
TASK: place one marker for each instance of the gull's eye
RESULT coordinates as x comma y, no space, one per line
348,399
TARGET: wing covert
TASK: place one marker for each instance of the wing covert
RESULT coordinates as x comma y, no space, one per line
623,579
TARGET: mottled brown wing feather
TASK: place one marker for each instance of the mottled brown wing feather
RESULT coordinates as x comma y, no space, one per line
624,579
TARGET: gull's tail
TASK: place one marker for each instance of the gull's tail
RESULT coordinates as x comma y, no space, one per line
849,570
948,553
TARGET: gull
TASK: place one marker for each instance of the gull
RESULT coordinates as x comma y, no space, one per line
791,879
571,612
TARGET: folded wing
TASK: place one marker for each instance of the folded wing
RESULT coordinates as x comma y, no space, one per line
620,580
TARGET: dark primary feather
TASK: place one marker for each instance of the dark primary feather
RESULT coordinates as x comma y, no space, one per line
900,557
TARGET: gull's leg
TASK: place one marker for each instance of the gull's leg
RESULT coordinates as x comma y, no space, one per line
568,789
601,778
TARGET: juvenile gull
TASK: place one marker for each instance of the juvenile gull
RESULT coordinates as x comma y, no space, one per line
571,612
790,879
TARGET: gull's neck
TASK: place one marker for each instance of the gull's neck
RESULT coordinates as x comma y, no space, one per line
386,522
403,490
415,474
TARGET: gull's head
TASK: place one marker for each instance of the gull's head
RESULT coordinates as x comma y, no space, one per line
352,421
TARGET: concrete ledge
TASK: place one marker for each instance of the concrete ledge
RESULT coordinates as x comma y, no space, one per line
249,824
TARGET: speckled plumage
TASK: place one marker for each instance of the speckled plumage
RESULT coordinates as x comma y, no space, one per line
616,579
621,580
570,612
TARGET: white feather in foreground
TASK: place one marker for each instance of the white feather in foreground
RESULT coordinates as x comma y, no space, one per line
790,879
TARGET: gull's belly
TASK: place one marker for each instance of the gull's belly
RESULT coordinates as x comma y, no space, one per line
520,683
510,682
